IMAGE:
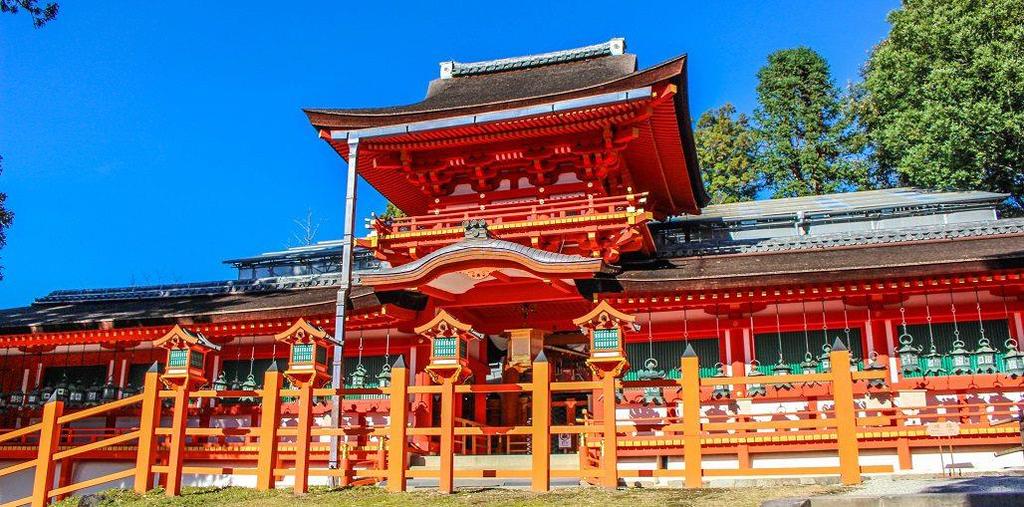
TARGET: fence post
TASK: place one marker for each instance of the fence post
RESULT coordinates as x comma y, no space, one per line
690,374
610,451
541,408
176,455
302,437
149,420
49,439
446,480
270,421
846,415
398,459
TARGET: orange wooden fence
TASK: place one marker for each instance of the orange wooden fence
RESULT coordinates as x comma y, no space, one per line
378,454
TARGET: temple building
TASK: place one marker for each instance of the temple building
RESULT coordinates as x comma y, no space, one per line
557,273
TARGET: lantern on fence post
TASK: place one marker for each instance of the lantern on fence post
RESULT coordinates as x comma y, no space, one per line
605,327
186,357
449,347
307,355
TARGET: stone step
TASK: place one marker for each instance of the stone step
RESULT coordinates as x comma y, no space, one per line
495,461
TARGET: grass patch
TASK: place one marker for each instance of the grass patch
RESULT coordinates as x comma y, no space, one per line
377,497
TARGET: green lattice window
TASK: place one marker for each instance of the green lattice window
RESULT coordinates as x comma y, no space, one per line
302,352
997,331
321,355
196,359
445,346
795,345
606,339
668,353
178,358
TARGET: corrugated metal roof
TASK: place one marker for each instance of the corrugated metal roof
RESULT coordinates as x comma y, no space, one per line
839,203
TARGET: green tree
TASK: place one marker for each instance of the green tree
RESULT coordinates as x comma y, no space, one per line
40,15
726,148
392,211
807,141
945,95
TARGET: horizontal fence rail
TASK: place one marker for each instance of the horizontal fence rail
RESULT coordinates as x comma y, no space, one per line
286,441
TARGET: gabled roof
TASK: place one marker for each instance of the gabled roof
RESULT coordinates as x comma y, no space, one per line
547,88
508,82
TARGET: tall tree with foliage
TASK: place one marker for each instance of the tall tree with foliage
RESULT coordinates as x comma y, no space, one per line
40,14
806,140
945,95
726,148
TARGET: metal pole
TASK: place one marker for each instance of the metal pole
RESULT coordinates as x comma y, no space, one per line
337,365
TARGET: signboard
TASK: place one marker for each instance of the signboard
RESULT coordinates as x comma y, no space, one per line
564,441
942,429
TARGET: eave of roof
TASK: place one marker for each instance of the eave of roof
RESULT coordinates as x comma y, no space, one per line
353,119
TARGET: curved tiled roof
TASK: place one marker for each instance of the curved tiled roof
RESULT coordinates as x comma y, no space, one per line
493,249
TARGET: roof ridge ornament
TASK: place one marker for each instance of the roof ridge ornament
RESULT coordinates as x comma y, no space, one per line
613,47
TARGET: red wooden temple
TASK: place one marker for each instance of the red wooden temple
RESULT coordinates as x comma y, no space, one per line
556,222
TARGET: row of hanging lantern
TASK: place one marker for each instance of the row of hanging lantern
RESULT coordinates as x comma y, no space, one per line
984,355
357,378
74,393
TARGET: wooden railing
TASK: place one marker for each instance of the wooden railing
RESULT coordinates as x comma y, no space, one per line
48,435
510,213
372,454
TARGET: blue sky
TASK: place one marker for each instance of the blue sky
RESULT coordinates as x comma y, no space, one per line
146,144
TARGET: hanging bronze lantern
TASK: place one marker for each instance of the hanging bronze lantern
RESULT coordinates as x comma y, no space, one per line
652,395
756,389
873,365
358,377
61,391
781,368
909,354
809,364
76,393
961,357
1013,360
33,397
16,398
933,363
109,390
221,382
249,385
94,394
825,359
985,357
384,377
721,390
